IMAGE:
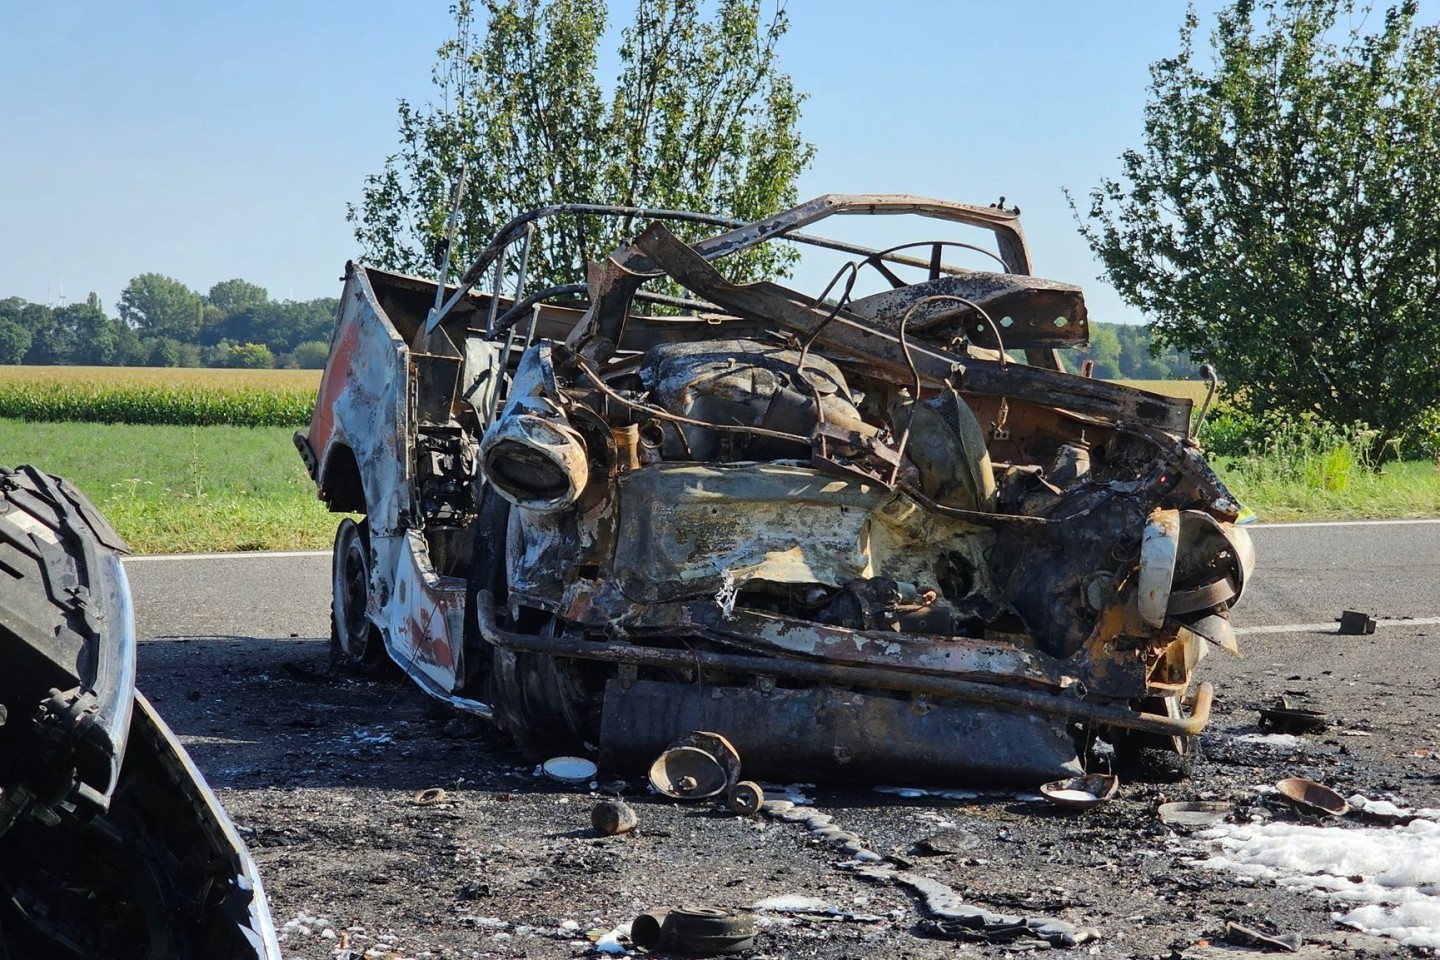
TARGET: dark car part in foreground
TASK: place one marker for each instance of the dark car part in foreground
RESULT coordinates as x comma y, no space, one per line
111,843
854,534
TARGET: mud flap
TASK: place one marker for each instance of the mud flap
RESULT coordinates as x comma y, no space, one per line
840,736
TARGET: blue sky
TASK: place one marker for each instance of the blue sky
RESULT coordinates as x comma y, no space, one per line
209,141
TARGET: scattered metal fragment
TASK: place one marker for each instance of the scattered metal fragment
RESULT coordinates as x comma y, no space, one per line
1356,623
1081,793
700,764
745,798
430,796
1285,717
569,769
1313,796
950,917
1244,936
1193,813
611,817
690,929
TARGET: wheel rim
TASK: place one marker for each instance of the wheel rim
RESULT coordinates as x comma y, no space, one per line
351,587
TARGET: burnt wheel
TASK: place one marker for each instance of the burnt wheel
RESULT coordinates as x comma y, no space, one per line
354,640
1152,758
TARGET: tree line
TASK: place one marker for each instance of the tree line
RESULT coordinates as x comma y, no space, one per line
1125,351
161,322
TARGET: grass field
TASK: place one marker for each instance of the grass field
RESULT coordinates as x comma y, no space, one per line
1410,489
174,489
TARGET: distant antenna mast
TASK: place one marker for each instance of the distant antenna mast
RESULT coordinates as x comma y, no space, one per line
449,242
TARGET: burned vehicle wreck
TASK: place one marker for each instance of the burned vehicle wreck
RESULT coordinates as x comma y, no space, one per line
111,842
865,537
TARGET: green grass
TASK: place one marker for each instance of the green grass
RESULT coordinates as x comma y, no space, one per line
170,489
1335,491
1303,468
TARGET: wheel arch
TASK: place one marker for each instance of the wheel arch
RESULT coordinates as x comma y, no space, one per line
340,483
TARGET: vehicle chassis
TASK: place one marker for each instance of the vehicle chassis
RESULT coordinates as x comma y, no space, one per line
856,536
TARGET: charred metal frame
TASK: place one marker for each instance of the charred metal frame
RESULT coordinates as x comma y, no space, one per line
1013,698
406,376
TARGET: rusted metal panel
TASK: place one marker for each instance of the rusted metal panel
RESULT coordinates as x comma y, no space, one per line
990,310
840,736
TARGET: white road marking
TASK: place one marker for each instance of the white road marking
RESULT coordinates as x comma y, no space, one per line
1334,626
241,555
1342,523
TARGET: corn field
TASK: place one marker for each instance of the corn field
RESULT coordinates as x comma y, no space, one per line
156,403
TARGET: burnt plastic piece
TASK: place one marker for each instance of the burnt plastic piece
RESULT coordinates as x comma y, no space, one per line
1284,718
1356,623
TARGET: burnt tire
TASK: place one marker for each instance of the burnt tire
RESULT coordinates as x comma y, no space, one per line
541,701
355,642
1154,758
1147,763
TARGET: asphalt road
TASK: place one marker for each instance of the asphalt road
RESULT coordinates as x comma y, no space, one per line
1306,575
321,771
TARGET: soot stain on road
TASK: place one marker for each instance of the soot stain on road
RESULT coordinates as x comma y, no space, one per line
322,769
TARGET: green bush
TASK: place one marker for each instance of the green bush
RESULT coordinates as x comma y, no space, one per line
1304,451
1422,438
311,355
145,404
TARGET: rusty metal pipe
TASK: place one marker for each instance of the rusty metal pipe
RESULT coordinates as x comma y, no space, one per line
879,677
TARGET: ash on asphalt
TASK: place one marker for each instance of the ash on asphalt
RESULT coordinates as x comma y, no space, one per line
321,771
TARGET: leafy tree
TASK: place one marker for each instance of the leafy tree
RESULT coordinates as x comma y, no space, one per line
163,352
1279,220
280,326
159,306
700,118
228,296
50,342
1104,350
308,320
96,337
311,355
14,341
